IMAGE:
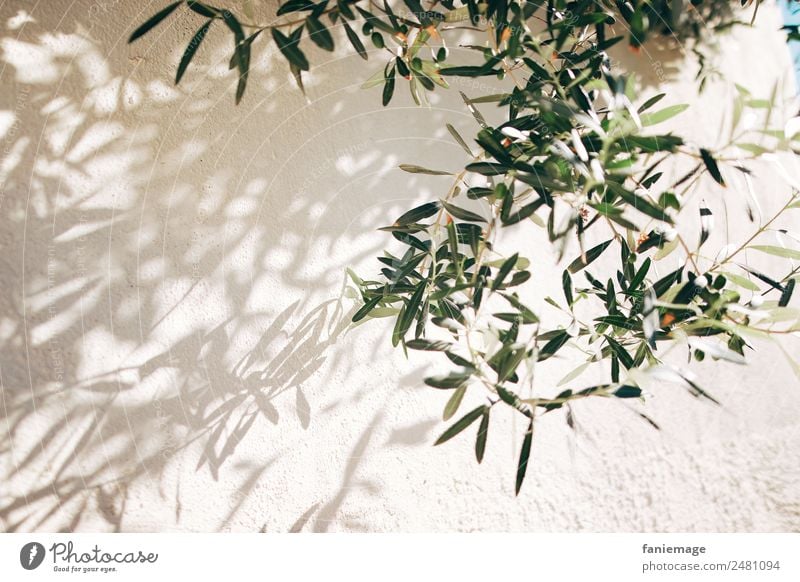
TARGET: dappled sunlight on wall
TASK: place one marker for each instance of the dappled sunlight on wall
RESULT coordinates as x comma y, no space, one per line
150,254
174,321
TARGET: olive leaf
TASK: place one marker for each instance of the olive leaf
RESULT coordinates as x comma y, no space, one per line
461,424
289,46
524,457
153,21
562,167
188,54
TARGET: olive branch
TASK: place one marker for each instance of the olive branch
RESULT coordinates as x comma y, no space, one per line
577,158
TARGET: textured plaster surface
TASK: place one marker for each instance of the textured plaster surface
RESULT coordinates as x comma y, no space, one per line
174,355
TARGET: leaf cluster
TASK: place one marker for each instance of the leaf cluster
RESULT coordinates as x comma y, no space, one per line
578,156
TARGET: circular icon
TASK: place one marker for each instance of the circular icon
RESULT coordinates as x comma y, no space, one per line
31,555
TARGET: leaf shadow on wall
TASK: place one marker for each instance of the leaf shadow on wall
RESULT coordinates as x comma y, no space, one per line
143,320
172,264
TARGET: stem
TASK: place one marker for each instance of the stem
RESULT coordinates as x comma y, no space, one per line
689,255
438,221
260,27
755,235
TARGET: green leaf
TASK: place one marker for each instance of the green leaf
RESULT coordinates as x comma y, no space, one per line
490,141
202,9
524,456
366,308
556,343
461,424
663,114
639,203
777,251
355,40
412,169
473,110
566,285
508,366
377,78
289,46
505,269
412,241
459,139
483,432
619,321
792,362
527,315
521,214
573,374
511,317
454,402
374,20
711,166
319,34
191,49
452,380
452,239
384,312
650,102
429,345
459,361
429,69
487,168
522,263
663,285
640,275
233,24
402,68
462,214
786,296
153,21
591,255
742,282
468,71
653,143
478,192
753,148
624,357
390,13
388,88
768,280
613,213
419,213
408,314
295,6
628,392
639,24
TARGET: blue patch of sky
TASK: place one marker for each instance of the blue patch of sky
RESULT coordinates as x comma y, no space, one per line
791,15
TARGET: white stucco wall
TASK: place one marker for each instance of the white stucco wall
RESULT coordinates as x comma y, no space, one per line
171,322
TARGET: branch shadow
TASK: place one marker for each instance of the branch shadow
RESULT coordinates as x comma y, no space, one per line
158,305
171,263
